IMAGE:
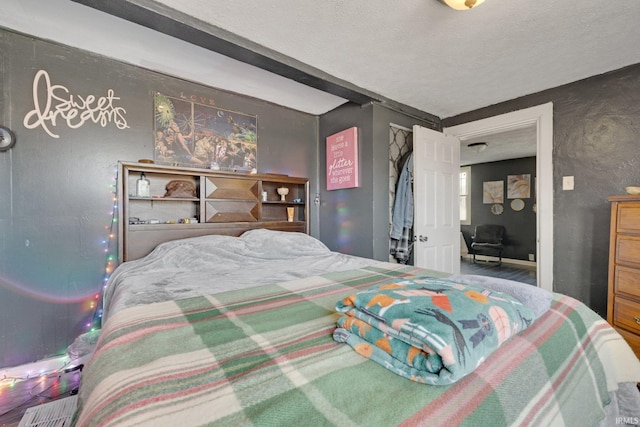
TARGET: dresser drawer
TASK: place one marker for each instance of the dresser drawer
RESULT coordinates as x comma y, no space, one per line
627,281
628,250
632,340
626,314
629,218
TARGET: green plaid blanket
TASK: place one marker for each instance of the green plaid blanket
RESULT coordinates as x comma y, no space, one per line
265,356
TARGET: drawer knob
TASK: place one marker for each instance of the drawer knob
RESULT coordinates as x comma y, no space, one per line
637,319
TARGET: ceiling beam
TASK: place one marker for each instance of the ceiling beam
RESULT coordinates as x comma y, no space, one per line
171,22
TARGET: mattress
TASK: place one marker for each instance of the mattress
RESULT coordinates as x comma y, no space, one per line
202,331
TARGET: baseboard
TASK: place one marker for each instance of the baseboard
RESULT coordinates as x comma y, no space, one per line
519,262
531,264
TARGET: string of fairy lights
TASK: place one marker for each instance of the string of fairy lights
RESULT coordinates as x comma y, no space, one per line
93,304
110,264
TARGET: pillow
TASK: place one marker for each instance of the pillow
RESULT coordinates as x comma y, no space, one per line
274,244
537,299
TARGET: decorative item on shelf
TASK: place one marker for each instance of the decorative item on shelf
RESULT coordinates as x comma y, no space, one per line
283,191
133,220
143,186
180,188
632,190
497,209
290,212
463,4
297,200
7,139
264,196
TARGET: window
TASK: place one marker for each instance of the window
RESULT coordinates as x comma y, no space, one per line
465,195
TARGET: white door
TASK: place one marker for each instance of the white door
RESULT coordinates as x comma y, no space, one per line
436,186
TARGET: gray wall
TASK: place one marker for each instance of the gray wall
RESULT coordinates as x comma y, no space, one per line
345,215
56,194
596,136
520,226
356,220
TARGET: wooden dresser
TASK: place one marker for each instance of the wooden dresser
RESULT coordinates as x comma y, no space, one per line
623,307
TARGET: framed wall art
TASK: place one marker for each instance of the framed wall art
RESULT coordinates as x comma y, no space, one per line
196,135
342,159
7,139
519,186
492,192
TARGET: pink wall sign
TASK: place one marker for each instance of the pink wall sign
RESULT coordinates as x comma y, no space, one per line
342,159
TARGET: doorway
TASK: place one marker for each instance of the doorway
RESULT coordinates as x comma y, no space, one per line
400,147
542,118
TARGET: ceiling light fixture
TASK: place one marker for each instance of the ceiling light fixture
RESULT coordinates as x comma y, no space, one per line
478,146
463,4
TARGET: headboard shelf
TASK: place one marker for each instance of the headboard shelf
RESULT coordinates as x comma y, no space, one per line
224,203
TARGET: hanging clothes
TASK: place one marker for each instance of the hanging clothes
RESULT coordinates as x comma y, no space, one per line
402,214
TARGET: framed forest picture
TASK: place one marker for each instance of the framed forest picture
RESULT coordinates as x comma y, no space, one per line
195,135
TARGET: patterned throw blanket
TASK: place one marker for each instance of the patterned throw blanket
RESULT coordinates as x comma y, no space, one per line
266,356
429,330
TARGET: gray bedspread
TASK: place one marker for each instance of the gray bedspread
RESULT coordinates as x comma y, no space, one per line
175,270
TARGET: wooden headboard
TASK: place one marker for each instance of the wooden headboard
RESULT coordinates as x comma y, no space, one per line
223,203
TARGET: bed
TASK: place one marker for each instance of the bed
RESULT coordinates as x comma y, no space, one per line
221,330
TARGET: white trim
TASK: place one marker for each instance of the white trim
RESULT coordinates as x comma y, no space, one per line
522,262
542,117
467,169
393,125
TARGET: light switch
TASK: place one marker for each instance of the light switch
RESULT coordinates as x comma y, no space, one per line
567,183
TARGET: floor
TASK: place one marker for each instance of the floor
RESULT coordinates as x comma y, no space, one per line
520,273
15,399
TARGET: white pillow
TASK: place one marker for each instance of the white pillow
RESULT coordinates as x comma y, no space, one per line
275,244
537,299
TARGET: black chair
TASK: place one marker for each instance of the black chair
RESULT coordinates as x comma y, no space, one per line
487,240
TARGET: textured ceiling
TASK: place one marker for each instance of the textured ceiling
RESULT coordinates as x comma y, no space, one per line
417,54
425,55
511,144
